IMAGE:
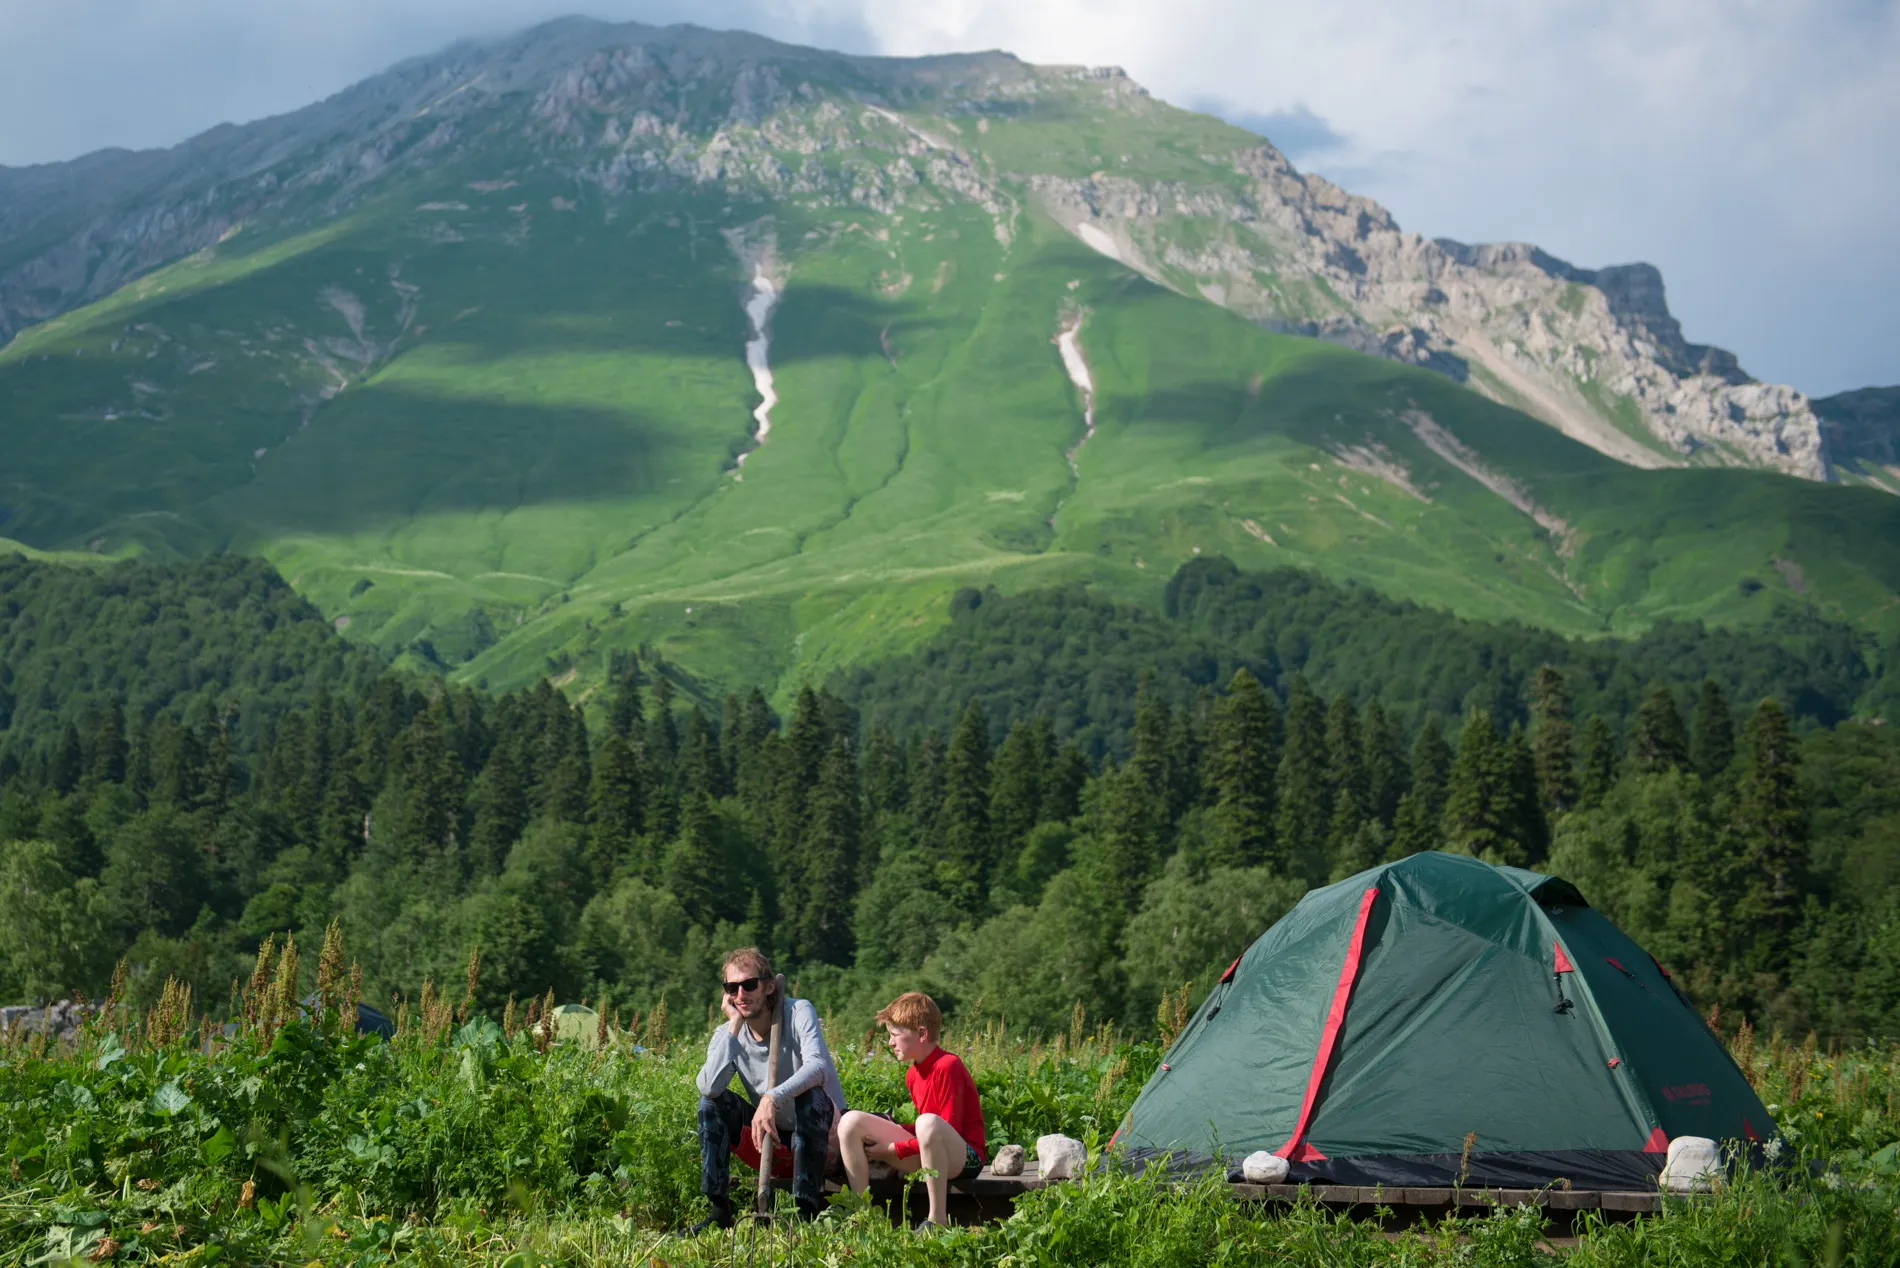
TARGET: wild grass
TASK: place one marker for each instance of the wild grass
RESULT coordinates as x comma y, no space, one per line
281,1136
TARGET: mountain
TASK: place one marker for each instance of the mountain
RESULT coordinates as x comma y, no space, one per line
1862,430
603,336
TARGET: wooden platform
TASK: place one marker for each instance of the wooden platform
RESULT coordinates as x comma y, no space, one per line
986,1196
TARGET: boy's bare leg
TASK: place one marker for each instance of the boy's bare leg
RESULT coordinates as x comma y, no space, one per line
864,1138
944,1151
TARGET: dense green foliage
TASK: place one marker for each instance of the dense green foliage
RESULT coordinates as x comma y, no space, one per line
464,1142
995,860
1074,657
222,639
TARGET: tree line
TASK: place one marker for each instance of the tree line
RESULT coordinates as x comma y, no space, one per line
1010,860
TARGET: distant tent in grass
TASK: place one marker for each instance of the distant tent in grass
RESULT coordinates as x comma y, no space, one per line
1386,1017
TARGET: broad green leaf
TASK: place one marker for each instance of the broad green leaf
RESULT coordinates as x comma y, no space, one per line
168,1100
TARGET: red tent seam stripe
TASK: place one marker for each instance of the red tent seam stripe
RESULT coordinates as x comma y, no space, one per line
1335,1018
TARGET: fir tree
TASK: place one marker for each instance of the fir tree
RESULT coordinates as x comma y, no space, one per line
1016,784
885,786
696,871
69,761
1523,809
501,808
1712,731
1387,775
926,784
1478,807
965,852
1772,831
1062,787
1599,762
1129,837
1553,754
1658,742
828,863
627,714
1303,807
1243,758
1347,785
105,745
702,767
1149,763
614,802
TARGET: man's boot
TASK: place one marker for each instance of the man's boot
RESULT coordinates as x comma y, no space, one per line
721,1218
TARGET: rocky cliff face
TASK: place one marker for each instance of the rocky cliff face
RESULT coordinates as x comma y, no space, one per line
631,110
1862,431
1593,352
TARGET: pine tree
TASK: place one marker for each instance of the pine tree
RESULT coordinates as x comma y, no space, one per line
1303,807
501,808
702,767
1478,806
1016,783
431,782
696,870
885,786
1186,749
1772,831
1243,757
926,784
1658,742
614,803
1523,809
1129,838
1062,787
1387,775
1149,763
1553,754
797,759
1712,731
105,745
1346,785
663,736
1599,762
965,854
828,863
627,714
69,761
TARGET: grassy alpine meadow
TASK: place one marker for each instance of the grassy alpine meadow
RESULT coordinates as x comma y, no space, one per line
281,1136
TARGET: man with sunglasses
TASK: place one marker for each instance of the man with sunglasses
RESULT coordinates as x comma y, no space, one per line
805,1105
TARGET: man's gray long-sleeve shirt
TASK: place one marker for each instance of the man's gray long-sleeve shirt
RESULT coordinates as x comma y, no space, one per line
804,1062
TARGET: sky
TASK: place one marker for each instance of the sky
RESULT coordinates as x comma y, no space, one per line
1748,148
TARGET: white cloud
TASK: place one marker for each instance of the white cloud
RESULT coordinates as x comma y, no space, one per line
1745,146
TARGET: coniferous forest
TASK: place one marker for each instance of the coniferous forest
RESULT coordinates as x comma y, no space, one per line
1058,800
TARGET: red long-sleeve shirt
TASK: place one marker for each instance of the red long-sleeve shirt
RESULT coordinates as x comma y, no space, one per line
939,1084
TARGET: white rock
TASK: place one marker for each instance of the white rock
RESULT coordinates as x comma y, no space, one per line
1261,1167
1008,1161
1694,1165
1060,1157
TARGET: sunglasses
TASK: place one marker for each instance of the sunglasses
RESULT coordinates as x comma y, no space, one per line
747,984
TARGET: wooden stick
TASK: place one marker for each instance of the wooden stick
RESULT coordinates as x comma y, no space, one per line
771,1081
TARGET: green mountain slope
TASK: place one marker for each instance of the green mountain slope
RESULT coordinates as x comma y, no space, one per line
477,386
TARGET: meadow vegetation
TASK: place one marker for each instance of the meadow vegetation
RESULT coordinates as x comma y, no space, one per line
284,1137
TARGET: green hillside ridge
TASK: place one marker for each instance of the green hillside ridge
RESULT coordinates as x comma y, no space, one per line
483,410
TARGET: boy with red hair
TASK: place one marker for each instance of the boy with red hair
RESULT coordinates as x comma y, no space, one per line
948,1137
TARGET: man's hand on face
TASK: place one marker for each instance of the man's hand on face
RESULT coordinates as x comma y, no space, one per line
764,1123
735,1018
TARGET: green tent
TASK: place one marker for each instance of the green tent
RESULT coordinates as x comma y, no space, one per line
1385,1017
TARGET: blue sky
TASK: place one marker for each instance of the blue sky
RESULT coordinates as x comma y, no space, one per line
1745,147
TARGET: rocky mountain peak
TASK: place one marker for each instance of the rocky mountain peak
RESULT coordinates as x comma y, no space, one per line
629,109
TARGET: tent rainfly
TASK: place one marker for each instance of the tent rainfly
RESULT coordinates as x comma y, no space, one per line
1440,1021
